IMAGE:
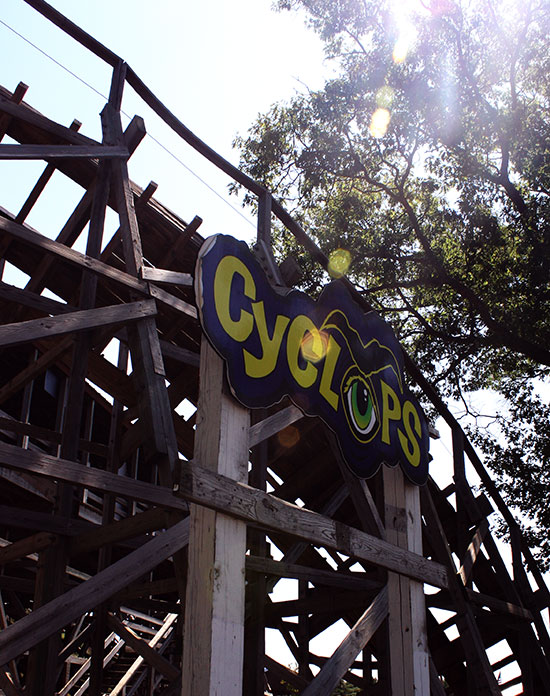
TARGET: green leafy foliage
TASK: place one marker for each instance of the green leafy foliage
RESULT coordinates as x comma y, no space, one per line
427,157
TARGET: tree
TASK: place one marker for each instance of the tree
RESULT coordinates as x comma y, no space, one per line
426,156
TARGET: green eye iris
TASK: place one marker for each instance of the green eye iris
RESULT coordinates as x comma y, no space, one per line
360,406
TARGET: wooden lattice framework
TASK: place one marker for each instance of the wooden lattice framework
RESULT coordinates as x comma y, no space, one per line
136,551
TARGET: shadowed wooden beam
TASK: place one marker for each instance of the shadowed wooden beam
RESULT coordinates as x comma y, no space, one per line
125,528
142,648
335,667
49,152
23,113
51,617
160,275
23,547
84,262
330,578
273,424
199,485
16,98
84,320
159,635
63,470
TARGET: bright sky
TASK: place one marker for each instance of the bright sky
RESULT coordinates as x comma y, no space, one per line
215,64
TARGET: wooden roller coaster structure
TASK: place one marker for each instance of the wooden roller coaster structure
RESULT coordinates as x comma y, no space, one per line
139,548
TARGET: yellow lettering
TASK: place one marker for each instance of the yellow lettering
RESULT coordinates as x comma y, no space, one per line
261,367
393,413
333,351
409,444
301,324
228,267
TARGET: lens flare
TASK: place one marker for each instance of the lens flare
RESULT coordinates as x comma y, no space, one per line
379,123
314,346
400,49
289,437
339,261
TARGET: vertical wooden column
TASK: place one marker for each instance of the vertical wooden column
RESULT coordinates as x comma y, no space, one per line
214,612
408,652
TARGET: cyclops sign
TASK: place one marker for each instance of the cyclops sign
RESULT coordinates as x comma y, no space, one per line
329,357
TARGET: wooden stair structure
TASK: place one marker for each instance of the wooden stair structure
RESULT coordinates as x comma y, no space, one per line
111,500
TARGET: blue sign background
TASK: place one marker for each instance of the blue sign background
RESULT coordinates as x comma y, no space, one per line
330,358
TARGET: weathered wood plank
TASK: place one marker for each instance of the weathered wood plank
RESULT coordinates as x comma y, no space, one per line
40,185
23,547
35,431
314,575
88,477
198,485
51,617
84,320
160,275
498,605
472,551
273,424
170,350
163,631
16,295
399,638
334,669
142,648
215,601
126,528
16,98
83,262
171,301
50,152
23,113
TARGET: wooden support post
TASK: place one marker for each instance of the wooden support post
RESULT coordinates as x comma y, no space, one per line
254,648
408,656
214,615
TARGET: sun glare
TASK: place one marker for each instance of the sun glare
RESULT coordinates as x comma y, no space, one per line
379,123
339,262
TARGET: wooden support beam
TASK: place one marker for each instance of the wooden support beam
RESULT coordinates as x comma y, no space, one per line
13,426
470,636
335,667
84,262
170,350
84,320
24,547
273,424
115,532
86,665
174,252
142,648
472,551
498,605
40,185
88,477
161,634
52,152
61,133
27,298
407,631
199,485
17,97
7,686
51,617
160,275
330,578
214,611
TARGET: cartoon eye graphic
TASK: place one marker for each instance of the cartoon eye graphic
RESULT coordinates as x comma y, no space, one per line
360,407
